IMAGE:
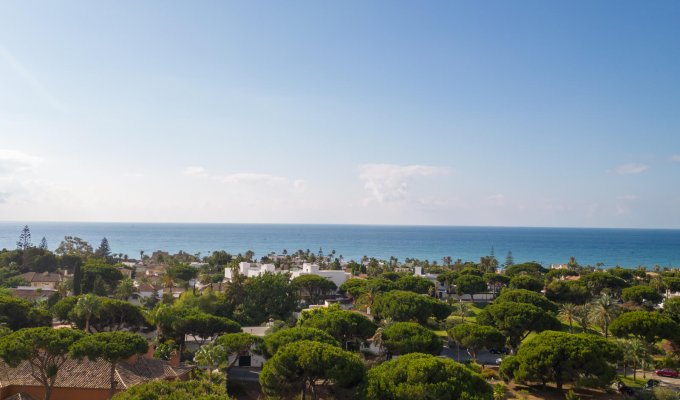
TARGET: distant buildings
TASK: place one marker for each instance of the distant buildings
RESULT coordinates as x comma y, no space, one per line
44,280
256,269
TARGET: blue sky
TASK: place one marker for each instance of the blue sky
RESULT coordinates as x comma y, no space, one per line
525,113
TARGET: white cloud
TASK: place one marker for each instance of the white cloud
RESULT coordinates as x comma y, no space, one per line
628,197
388,183
676,158
194,171
13,161
497,200
631,169
243,178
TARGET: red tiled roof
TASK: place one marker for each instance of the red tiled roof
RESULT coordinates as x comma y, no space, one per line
95,374
41,277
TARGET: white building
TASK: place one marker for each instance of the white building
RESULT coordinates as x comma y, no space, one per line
255,269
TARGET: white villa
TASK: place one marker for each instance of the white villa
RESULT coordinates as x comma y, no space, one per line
256,269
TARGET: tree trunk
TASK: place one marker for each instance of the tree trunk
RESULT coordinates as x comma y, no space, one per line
112,380
634,372
625,370
87,324
571,328
48,392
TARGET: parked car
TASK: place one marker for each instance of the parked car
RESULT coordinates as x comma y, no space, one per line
668,372
499,351
499,361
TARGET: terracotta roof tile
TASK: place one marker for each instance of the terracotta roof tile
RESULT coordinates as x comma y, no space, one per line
95,374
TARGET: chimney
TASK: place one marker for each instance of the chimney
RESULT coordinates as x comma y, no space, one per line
175,358
133,359
150,351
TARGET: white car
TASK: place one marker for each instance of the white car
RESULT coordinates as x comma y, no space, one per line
499,361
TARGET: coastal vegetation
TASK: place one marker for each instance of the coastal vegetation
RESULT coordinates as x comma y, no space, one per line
378,334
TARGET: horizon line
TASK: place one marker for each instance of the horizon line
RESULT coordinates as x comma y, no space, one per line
335,224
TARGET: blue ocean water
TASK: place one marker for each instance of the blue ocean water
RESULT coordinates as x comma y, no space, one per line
625,247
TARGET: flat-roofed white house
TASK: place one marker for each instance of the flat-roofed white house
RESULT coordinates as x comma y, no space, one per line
256,269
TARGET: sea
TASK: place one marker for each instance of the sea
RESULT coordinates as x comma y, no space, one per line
589,246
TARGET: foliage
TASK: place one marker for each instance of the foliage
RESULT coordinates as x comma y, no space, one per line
182,272
470,284
409,337
100,278
567,292
238,343
300,366
671,308
526,282
602,311
112,347
17,313
475,337
174,390
253,301
517,320
46,349
648,326
418,376
110,315
314,287
408,306
640,294
562,357
596,282
527,297
203,326
343,325
529,268
275,341
74,246
416,284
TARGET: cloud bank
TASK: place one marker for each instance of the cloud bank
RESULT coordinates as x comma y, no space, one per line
631,169
388,183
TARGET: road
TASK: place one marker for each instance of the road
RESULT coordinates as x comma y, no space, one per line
244,374
483,356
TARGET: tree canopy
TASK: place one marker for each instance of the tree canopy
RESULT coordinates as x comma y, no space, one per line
416,284
640,294
562,357
648,326
408,306
174,390
17,313
45,348
419,376
113,347
475,337
297,368
343,325
410,337
527,297
313,287
527,282
517,320
470,284
567,292
276,340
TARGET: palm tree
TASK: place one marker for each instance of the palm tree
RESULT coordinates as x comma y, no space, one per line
568,313
87,307
636,353
582,316
378,340
603,312
211,356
